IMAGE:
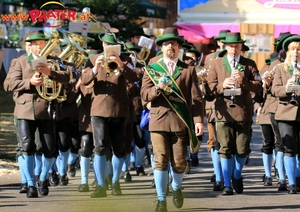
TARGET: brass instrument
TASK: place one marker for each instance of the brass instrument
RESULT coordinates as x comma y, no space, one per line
74,56
51,89
146,44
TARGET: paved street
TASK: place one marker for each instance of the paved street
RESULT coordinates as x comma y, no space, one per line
139,196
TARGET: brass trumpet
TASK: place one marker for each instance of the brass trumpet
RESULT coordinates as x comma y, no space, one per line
111,66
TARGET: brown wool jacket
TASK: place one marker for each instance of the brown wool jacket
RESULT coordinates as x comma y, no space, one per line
29,105
163,118
244,104
109,98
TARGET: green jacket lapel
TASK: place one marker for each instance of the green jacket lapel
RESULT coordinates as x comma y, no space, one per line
30,57
226,64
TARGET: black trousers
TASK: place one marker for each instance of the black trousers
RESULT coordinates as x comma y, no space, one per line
109,133
289,131
27,129
268,137
87,144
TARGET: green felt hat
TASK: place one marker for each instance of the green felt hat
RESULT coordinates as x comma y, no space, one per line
233,37
281,41
197,53
139,32
132,46
109,37
287,41
169,33
281,35
245,48
36,36
222,34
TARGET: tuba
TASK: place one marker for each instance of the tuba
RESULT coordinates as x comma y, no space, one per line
73,57
51,89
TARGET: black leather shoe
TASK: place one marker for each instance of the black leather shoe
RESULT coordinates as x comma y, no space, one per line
282,185
108,181
24,188
298,184
218,186
292,189
37,179
32,192
227,190
213,178
115,189
267,181
140,171
177,198
161,206
94,184
83,188
53,179
99,192
71,170
63,180
238,185
43,188
127,176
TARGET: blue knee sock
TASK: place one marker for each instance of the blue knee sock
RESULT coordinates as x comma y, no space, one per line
227,164
290,167
267,161
72,158
177,180
117,164
37,164
239,164
125,164
297,166
46,165
161,181
63,157
109,169
84,168
216,165
152,161
29,169
189,153
99,169
21,162
280,165
139,154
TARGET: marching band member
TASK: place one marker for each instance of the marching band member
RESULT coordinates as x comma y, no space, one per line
170,132
286,114
32,113
233,125
213,144
109,110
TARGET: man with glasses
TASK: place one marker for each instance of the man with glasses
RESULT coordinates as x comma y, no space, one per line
176,115
233,122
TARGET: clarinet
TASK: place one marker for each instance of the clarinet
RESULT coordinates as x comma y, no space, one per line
232,97
293,96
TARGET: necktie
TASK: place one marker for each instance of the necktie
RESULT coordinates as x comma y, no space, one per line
171,67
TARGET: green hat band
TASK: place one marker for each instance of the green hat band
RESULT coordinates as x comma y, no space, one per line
38,36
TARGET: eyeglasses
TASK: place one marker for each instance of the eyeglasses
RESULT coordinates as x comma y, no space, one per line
173,43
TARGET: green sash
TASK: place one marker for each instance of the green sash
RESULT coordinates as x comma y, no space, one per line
158,70
227,66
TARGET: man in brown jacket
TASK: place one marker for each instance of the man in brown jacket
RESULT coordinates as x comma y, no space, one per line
176,114
34,112
233,124
109,110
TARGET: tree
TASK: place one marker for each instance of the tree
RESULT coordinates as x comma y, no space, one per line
120,14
